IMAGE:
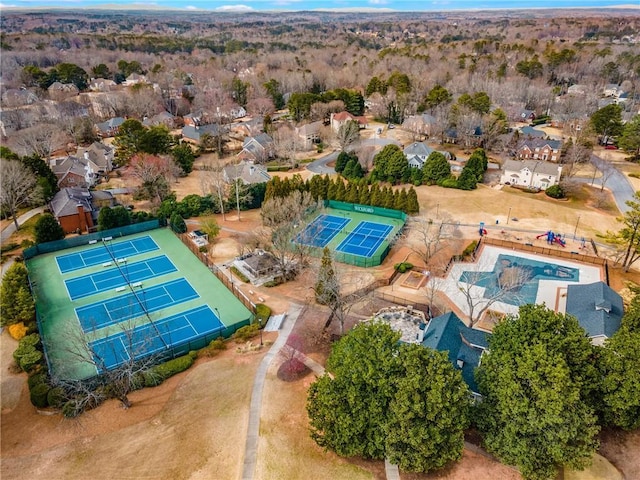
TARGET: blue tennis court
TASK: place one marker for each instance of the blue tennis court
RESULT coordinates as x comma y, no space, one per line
128,306
118,276
322,230
365,239
99,254
111,351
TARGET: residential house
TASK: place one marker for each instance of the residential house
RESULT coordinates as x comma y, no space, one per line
248,128
527,115
612,90
246,171
110,127
309,134
194,119
531,173
417,154
577,90
532,132
339,119
237,112
464,345
60,91
73,172
420,124
19,97
540,149
195,133
598,308
99,156
76,209
135,79
102,85
258,148
162,118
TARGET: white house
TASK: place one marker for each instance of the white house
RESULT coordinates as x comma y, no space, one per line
417,154
531,173
248,172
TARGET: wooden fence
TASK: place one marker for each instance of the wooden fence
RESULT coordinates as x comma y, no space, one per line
569,255
226,281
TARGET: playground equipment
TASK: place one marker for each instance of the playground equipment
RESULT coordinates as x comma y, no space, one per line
482,231
553,238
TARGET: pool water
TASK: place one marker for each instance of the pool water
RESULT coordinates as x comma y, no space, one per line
519,277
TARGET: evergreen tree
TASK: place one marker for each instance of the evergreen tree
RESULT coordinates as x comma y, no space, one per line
400,200
326,283
16,302
48,229
413,206
376,197
178,224
364,197
436,168
352,193
341,191
389,198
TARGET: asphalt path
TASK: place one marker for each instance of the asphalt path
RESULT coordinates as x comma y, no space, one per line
321,166
616,182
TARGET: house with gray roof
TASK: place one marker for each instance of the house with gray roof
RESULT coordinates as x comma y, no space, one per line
99,157
110,127
420,124
195,133
530,174
464,345
258,148
309,133
417,154
75,210
598,308
73,172
246,171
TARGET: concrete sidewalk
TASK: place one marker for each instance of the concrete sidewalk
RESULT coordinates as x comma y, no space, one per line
11,228
255,408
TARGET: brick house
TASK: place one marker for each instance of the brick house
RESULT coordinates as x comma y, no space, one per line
540,149
338,119
76,208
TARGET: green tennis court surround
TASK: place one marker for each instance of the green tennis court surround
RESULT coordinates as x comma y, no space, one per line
139,304
359,235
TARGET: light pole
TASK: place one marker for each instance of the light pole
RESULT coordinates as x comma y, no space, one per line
508,215
576,229
260,326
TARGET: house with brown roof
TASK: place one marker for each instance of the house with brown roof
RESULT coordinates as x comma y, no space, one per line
540,149
73,172
530,174
339,119
110,127
98,156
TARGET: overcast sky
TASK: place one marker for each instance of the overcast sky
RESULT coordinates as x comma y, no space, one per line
262,5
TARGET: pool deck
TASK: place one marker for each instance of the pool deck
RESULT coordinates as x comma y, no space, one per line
549,291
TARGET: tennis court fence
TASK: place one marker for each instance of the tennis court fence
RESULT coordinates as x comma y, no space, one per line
354,207
71,242
227,282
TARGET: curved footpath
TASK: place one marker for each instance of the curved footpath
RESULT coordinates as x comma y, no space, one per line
10,230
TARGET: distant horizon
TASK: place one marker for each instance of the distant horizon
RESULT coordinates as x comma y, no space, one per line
337,6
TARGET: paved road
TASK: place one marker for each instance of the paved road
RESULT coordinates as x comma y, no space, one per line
617,182
320,165
255,408
11,228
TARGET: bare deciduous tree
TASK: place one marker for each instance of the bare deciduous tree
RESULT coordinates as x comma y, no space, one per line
18,187
348,134
41,140
212,181
427,237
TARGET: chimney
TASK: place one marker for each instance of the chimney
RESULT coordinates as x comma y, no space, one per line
86,155
82,219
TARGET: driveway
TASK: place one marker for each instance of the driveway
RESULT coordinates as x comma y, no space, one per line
320,165
617,183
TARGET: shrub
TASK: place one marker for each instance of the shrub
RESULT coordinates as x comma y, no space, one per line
273,283
7,247
403,267
203,249
18,330
246,333
29,360
634,175
38,395
71,409
470,249
36,378
218,344
158,374
239,274
263,312
450,182
56,397
555,191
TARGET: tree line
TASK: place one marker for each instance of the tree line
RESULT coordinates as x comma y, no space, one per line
359,192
